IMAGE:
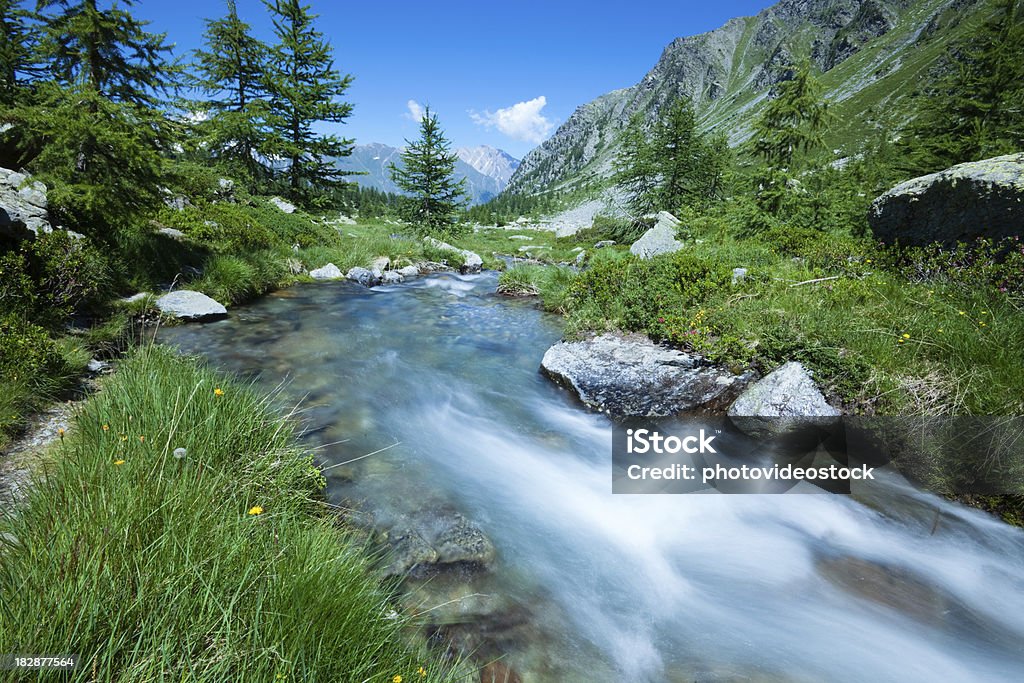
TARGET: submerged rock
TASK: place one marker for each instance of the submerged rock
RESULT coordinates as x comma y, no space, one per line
962,203
186,304
633,376
432,539
786,399
328,272
661,239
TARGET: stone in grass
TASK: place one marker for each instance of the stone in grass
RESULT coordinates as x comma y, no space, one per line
785,400
191,306
328,272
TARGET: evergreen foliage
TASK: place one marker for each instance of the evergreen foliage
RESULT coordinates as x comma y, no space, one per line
229,69
790,128
675,167
428,174
977,111
304,88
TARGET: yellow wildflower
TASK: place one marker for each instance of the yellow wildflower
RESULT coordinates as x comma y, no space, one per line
940,329
142,439
256,510
218,392
105,428
906,336
900,341
396,679
421,671
119,462
963,312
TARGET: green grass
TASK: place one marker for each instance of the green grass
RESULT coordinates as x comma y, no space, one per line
153,567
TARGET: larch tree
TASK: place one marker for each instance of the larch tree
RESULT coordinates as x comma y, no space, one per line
427,174
304,89
229,69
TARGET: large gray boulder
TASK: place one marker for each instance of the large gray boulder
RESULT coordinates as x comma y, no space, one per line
364,276
328,272
633,376
186,304
661,239
960,204
23,206
786,399
471,262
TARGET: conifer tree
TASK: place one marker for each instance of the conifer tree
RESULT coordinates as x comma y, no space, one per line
229,70
791,126
304,88
676,166
17,50
428,175
977,111
96,129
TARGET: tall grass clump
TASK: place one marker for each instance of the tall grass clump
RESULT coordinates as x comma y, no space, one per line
175,536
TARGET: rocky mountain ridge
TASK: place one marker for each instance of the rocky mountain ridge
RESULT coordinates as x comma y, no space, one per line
873,55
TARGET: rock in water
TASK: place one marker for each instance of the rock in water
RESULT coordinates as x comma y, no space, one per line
471,262
632,376
661,239
409,271
786,399
391,277
364,276
960,204
186,304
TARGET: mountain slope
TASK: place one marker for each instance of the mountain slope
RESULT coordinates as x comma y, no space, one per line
873,55
371,160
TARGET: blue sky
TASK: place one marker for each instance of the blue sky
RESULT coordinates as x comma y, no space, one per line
504,74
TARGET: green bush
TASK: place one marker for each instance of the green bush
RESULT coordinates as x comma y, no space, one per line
51,277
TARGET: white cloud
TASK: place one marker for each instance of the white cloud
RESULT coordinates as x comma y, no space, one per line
522,121
415,112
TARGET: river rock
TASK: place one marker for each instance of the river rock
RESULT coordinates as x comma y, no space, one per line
186,304
380,263
431,539
328,272
661,239
633,376
391,277
363,276
786,399
23,206
471,262
409,271
962,203
285,206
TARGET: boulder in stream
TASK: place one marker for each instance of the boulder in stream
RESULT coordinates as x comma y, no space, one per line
633,376
433,539
186,304
786,399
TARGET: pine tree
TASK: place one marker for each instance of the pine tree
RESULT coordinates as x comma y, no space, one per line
977,111
229,69
428,174
95,131
791,126
304,86
676,166
17,51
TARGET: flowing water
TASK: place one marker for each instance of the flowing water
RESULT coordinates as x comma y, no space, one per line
894,586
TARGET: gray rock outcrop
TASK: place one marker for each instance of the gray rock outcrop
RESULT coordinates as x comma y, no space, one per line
976,199
328,272
471,262
186,304
23,206
787,398
661,239
633,376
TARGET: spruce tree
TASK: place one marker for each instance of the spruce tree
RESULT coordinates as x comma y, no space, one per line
791,127
428,175
229,70
677,166
17,51
304,86
95,132
977,110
